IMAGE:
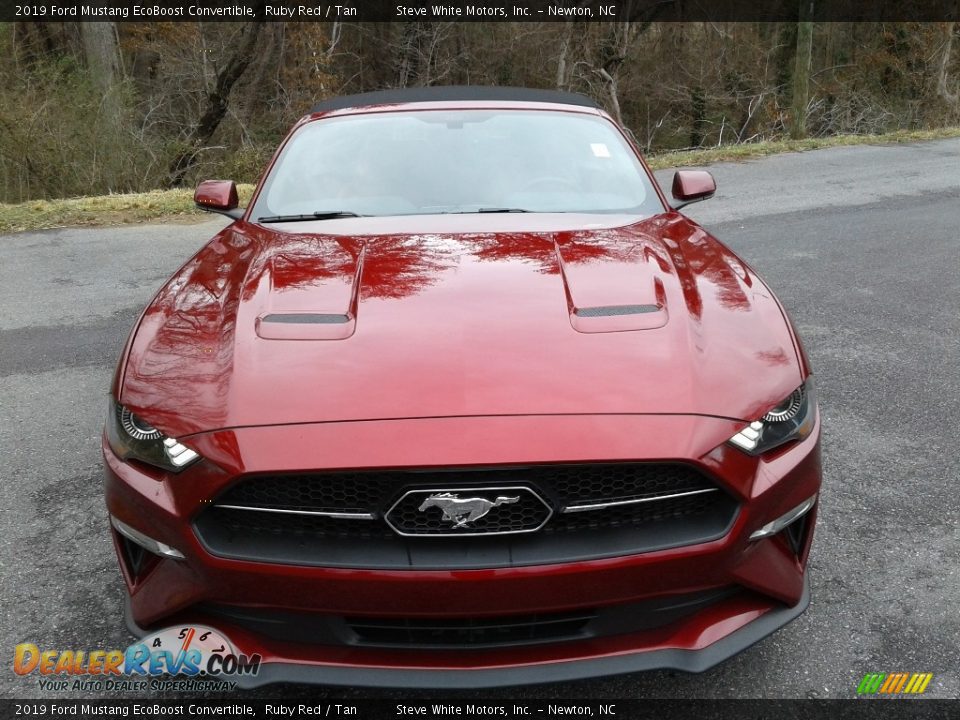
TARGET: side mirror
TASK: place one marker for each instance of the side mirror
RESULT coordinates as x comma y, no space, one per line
219,196
690,186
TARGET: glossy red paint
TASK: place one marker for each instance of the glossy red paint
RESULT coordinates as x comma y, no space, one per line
217,195
476,314
463,343
692,185
160,504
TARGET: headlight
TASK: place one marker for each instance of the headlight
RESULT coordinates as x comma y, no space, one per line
130,437
792,419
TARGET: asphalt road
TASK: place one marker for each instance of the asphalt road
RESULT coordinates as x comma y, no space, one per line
862,245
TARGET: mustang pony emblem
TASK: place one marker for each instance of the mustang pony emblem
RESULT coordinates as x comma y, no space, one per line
461,511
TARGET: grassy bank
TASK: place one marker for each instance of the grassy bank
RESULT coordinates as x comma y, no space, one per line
727,153
177,205
170,205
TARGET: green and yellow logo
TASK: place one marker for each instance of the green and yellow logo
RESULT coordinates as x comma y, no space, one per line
894,683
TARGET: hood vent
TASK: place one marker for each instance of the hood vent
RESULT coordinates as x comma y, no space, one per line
614,310
314,325
609,291
306,326
307,318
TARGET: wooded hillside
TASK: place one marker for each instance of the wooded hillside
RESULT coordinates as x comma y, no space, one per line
90,108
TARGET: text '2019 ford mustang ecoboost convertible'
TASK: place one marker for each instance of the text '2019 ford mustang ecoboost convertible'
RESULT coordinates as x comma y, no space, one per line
462,400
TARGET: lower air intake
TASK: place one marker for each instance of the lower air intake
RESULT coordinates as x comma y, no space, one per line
470,632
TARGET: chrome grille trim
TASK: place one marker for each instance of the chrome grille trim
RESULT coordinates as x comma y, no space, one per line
634,501
315,513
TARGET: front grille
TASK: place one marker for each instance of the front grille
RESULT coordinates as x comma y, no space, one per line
682,506
612,482
531,515
374,492
334,492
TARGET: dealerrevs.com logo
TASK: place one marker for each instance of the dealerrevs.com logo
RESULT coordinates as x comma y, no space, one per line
194,657
900,683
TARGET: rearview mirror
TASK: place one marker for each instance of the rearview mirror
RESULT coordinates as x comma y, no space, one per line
219,196
690,186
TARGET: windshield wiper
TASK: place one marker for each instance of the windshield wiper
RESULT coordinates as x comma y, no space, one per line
500,210
319,215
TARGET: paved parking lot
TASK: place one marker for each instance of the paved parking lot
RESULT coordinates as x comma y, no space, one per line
862,245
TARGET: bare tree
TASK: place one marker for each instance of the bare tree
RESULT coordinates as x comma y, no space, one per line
611,52
218,102
416,54
563,58
951,96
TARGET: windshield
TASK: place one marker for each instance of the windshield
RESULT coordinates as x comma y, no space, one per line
429,162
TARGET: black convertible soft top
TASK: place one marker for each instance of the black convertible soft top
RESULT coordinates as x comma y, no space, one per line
486,93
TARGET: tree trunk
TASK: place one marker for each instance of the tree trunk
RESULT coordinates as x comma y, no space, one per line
101,52
943,89
561,81
801,73
698,113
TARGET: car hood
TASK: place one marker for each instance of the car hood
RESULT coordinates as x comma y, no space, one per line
471,315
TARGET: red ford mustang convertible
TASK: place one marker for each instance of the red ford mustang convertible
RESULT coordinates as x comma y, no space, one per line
462,400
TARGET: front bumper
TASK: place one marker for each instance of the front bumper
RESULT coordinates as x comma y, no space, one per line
769,574
665,658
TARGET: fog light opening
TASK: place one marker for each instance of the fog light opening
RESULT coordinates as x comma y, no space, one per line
146,542
785,520
796,534
134,555
135,562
